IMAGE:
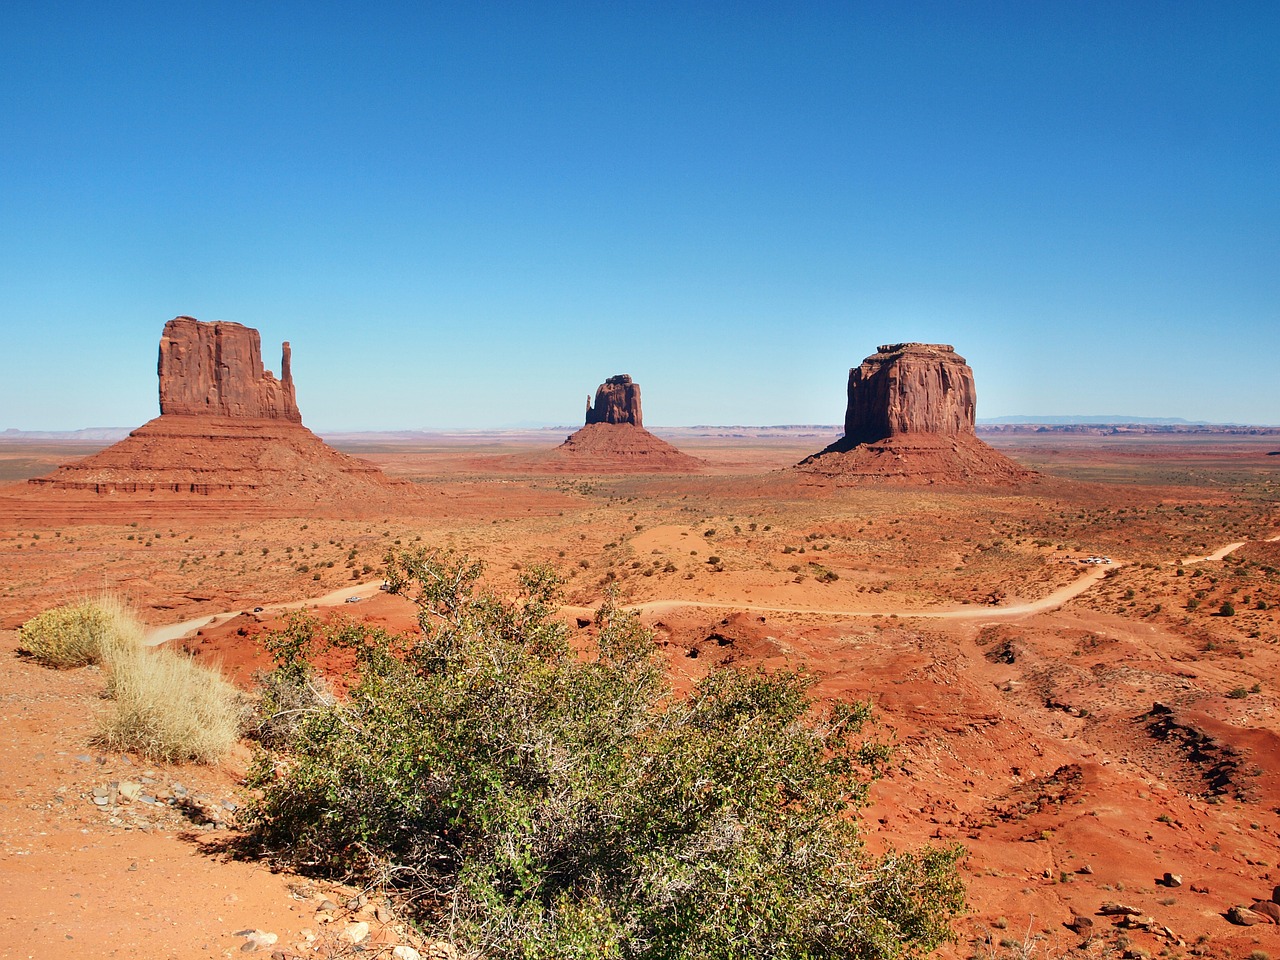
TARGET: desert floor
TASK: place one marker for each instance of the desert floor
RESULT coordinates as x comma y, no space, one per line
1083,729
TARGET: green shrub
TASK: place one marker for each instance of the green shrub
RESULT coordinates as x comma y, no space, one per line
534,802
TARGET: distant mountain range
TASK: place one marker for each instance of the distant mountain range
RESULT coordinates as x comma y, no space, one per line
1107,419
87,434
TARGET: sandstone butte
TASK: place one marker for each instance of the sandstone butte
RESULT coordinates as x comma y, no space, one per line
227,427
614,440
910,419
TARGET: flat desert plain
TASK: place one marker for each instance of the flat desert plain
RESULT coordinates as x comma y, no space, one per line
1094,734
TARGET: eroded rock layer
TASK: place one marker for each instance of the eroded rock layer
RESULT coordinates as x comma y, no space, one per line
620,448
221,455
910,419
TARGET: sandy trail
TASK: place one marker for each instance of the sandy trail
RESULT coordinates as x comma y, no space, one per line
1051,601
173,631
1221,552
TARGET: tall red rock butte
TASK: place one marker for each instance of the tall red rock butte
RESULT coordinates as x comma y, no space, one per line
614,440
910,418
227,428
215,370
617,401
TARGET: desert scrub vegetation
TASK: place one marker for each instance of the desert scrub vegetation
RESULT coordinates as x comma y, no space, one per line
528,800
76,634
164,705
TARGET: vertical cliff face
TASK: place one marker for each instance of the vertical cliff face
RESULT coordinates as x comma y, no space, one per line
910,388
215,370
617,401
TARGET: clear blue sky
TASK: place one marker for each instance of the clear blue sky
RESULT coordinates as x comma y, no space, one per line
469,214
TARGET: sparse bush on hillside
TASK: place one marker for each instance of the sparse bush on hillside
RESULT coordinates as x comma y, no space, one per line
76,634
165,705
532,802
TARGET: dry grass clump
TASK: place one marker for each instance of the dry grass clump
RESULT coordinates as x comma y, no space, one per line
165,705
168,707
78,634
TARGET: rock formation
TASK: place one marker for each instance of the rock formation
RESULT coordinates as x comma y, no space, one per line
613,440
910,418
910,388
227,427
215,369
617,401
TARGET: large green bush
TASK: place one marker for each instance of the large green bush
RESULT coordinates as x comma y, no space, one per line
534,801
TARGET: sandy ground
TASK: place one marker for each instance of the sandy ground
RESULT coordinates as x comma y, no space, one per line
1018,685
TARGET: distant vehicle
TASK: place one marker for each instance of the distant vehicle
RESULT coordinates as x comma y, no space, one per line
352,600
257,609
1096,560
384,586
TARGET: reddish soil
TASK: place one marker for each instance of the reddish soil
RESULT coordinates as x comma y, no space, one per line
609,448
1078,753
914,459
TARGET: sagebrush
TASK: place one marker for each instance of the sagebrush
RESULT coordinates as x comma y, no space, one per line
530,801
78,634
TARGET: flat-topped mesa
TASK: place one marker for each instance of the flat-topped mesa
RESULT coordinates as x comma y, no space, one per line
910,420
908,388
617,401
215,370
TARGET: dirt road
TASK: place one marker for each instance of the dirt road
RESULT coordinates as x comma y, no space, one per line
1051,601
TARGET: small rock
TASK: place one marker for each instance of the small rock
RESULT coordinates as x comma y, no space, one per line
326,906
101,801
1242,916
1085,869
1110,909
102,791
1275,895
356,932
1171,879
1080,925
356,902
1199,888
382,914
1268,908
405,953
130,791
257,940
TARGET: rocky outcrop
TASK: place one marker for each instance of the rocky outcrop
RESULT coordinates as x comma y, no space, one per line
215,370
613,440
910,388
617,401
227,428
910,420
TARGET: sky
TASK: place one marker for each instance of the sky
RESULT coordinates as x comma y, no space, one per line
468,215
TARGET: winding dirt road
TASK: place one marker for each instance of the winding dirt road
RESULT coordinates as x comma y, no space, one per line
1052,601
